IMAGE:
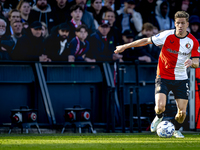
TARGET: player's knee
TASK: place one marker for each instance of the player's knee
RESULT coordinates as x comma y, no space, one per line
180,117
159,109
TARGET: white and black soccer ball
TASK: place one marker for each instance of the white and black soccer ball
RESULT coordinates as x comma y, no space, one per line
165,129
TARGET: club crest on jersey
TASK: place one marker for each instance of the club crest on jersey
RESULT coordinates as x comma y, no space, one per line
188,45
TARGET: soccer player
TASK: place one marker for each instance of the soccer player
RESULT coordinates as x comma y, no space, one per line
178,46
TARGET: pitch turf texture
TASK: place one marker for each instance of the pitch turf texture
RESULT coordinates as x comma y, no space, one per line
110,141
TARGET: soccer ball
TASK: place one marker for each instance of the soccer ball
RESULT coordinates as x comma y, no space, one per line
165,129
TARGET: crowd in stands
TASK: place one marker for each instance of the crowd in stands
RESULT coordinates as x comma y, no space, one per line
87,30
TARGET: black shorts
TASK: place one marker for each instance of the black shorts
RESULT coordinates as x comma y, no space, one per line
180,88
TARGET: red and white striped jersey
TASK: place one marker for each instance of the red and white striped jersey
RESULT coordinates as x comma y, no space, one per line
175,51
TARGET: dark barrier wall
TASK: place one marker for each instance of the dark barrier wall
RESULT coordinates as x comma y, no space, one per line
68,85
16,89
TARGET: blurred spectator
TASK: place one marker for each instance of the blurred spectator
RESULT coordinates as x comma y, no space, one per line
57,46
196,10
30,46
79,46
162,19
5,7
185,5
195,26
109,4
9,43
17,30
12,4
101,46
3,52
97,11
128,18
45,32
147,9
114,31
76,14
41,12
87,16
1,13
172,7
155,30
24,8
133,53
152,51
13,16
61,12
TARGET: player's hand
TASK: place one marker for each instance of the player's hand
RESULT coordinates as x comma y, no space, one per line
188,63
119,49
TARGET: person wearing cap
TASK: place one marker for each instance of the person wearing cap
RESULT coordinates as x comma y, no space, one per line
56,46
128,18
194,26
79,46
30,47
42,12
101,45
133,53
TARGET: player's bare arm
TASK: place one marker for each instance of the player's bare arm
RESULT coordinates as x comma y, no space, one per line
194,63
137,43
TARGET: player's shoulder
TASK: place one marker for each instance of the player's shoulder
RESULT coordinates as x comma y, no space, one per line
166,33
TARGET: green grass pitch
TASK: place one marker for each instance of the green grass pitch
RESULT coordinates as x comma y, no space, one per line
99,141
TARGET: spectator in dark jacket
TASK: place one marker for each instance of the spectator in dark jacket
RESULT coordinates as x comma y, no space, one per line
76,14
97,11
42,12
195,26
79,46
30,46
114,31
57,45
147,9
13,16
133,53
87,16
152,50
101,46
9,43
3,51
61,12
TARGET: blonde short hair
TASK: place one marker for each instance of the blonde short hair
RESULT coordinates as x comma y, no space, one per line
182,14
